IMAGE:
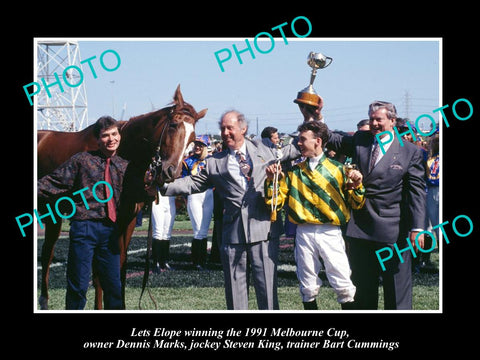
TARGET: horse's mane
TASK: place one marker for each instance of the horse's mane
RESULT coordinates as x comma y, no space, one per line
146,115
186,108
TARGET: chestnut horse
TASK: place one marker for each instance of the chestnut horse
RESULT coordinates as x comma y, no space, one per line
161,135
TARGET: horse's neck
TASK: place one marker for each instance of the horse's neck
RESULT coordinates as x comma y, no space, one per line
121,124
137,144
88,140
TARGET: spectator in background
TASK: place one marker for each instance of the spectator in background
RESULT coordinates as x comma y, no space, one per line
433,205
363,125
199,205
410,135
163,216
271,134
217,146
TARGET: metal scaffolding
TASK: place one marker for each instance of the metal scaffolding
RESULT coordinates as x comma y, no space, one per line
64,106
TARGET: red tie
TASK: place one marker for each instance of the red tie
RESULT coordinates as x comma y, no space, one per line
112,213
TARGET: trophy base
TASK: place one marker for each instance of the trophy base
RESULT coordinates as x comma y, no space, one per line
307,98
349,185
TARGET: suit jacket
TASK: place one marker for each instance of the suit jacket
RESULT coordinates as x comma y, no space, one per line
395,188
246,218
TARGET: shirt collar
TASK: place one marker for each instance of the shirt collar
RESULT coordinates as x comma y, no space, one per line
316,159
385,146
243,149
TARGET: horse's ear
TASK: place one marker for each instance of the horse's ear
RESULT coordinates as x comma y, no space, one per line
178,97
201,114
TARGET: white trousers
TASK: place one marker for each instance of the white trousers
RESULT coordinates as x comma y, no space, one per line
200,210
163,217
312,242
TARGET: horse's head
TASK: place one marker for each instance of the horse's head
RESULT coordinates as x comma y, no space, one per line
160,139
174,136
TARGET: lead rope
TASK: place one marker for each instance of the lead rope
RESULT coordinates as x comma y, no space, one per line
152,169
147,266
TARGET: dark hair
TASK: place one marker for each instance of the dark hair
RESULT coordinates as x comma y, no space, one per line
268,132
434,145
363,123
319,129
402,124
104,123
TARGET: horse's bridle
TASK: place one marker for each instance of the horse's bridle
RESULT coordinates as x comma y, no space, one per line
152,170
157,158
156,164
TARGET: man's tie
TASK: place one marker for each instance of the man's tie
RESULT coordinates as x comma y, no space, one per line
244,167
374,157
111,211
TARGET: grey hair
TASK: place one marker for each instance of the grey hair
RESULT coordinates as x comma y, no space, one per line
377,105
242,120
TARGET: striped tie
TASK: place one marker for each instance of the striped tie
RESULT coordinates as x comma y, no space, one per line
244,167
374,157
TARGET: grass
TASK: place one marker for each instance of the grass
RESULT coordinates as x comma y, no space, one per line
189,289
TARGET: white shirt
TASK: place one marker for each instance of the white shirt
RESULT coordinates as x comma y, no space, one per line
234,166
385,148
313,161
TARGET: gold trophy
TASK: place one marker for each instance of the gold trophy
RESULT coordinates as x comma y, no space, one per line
348,167
308,95
274,205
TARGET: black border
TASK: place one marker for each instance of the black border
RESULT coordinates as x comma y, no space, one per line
418,333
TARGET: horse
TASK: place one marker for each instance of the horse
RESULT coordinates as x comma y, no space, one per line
153,142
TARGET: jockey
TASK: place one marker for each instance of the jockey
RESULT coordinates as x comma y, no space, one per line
200,205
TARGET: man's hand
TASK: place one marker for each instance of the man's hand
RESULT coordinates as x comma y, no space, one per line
420,240
272,169
356,178
149,185
320,107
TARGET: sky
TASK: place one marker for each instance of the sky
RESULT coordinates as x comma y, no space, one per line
404,71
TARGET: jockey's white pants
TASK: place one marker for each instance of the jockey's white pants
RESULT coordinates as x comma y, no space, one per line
163,217
312,242
200,211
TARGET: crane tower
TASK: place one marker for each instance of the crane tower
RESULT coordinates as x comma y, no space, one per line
63,110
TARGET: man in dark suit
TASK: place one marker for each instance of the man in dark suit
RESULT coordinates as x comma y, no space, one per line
394,211
239,182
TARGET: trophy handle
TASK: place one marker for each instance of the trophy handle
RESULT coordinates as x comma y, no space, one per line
328,58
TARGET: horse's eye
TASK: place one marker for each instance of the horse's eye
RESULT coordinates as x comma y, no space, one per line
173,125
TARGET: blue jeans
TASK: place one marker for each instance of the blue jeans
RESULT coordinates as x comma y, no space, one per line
93,243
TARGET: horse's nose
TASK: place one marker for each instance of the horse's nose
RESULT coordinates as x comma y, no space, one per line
169,173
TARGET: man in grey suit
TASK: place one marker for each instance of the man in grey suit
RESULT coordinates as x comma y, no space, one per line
393,213
239,181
